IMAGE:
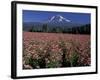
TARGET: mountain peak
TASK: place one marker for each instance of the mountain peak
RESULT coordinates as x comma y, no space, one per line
58,18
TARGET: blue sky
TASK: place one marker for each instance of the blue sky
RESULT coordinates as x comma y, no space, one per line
38,16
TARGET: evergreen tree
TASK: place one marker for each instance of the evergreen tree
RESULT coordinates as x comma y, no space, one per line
45,28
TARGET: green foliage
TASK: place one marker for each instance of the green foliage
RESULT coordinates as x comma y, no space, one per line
45,28
33,62
65,62
65,54
32,29
42,62
53,30
74,59
85,29
53,64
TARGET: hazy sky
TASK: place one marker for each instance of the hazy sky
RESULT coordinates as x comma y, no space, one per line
38,16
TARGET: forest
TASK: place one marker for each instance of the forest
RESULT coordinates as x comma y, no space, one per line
84,29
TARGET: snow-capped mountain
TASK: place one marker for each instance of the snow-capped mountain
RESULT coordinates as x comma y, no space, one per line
58,18
60,21
56,21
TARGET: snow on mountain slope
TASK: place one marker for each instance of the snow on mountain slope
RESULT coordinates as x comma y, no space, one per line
58,18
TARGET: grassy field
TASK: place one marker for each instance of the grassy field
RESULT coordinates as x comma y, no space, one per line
55,50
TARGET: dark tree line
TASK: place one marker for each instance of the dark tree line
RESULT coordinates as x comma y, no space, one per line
86,29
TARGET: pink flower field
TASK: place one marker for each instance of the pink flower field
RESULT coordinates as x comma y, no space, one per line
55,50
